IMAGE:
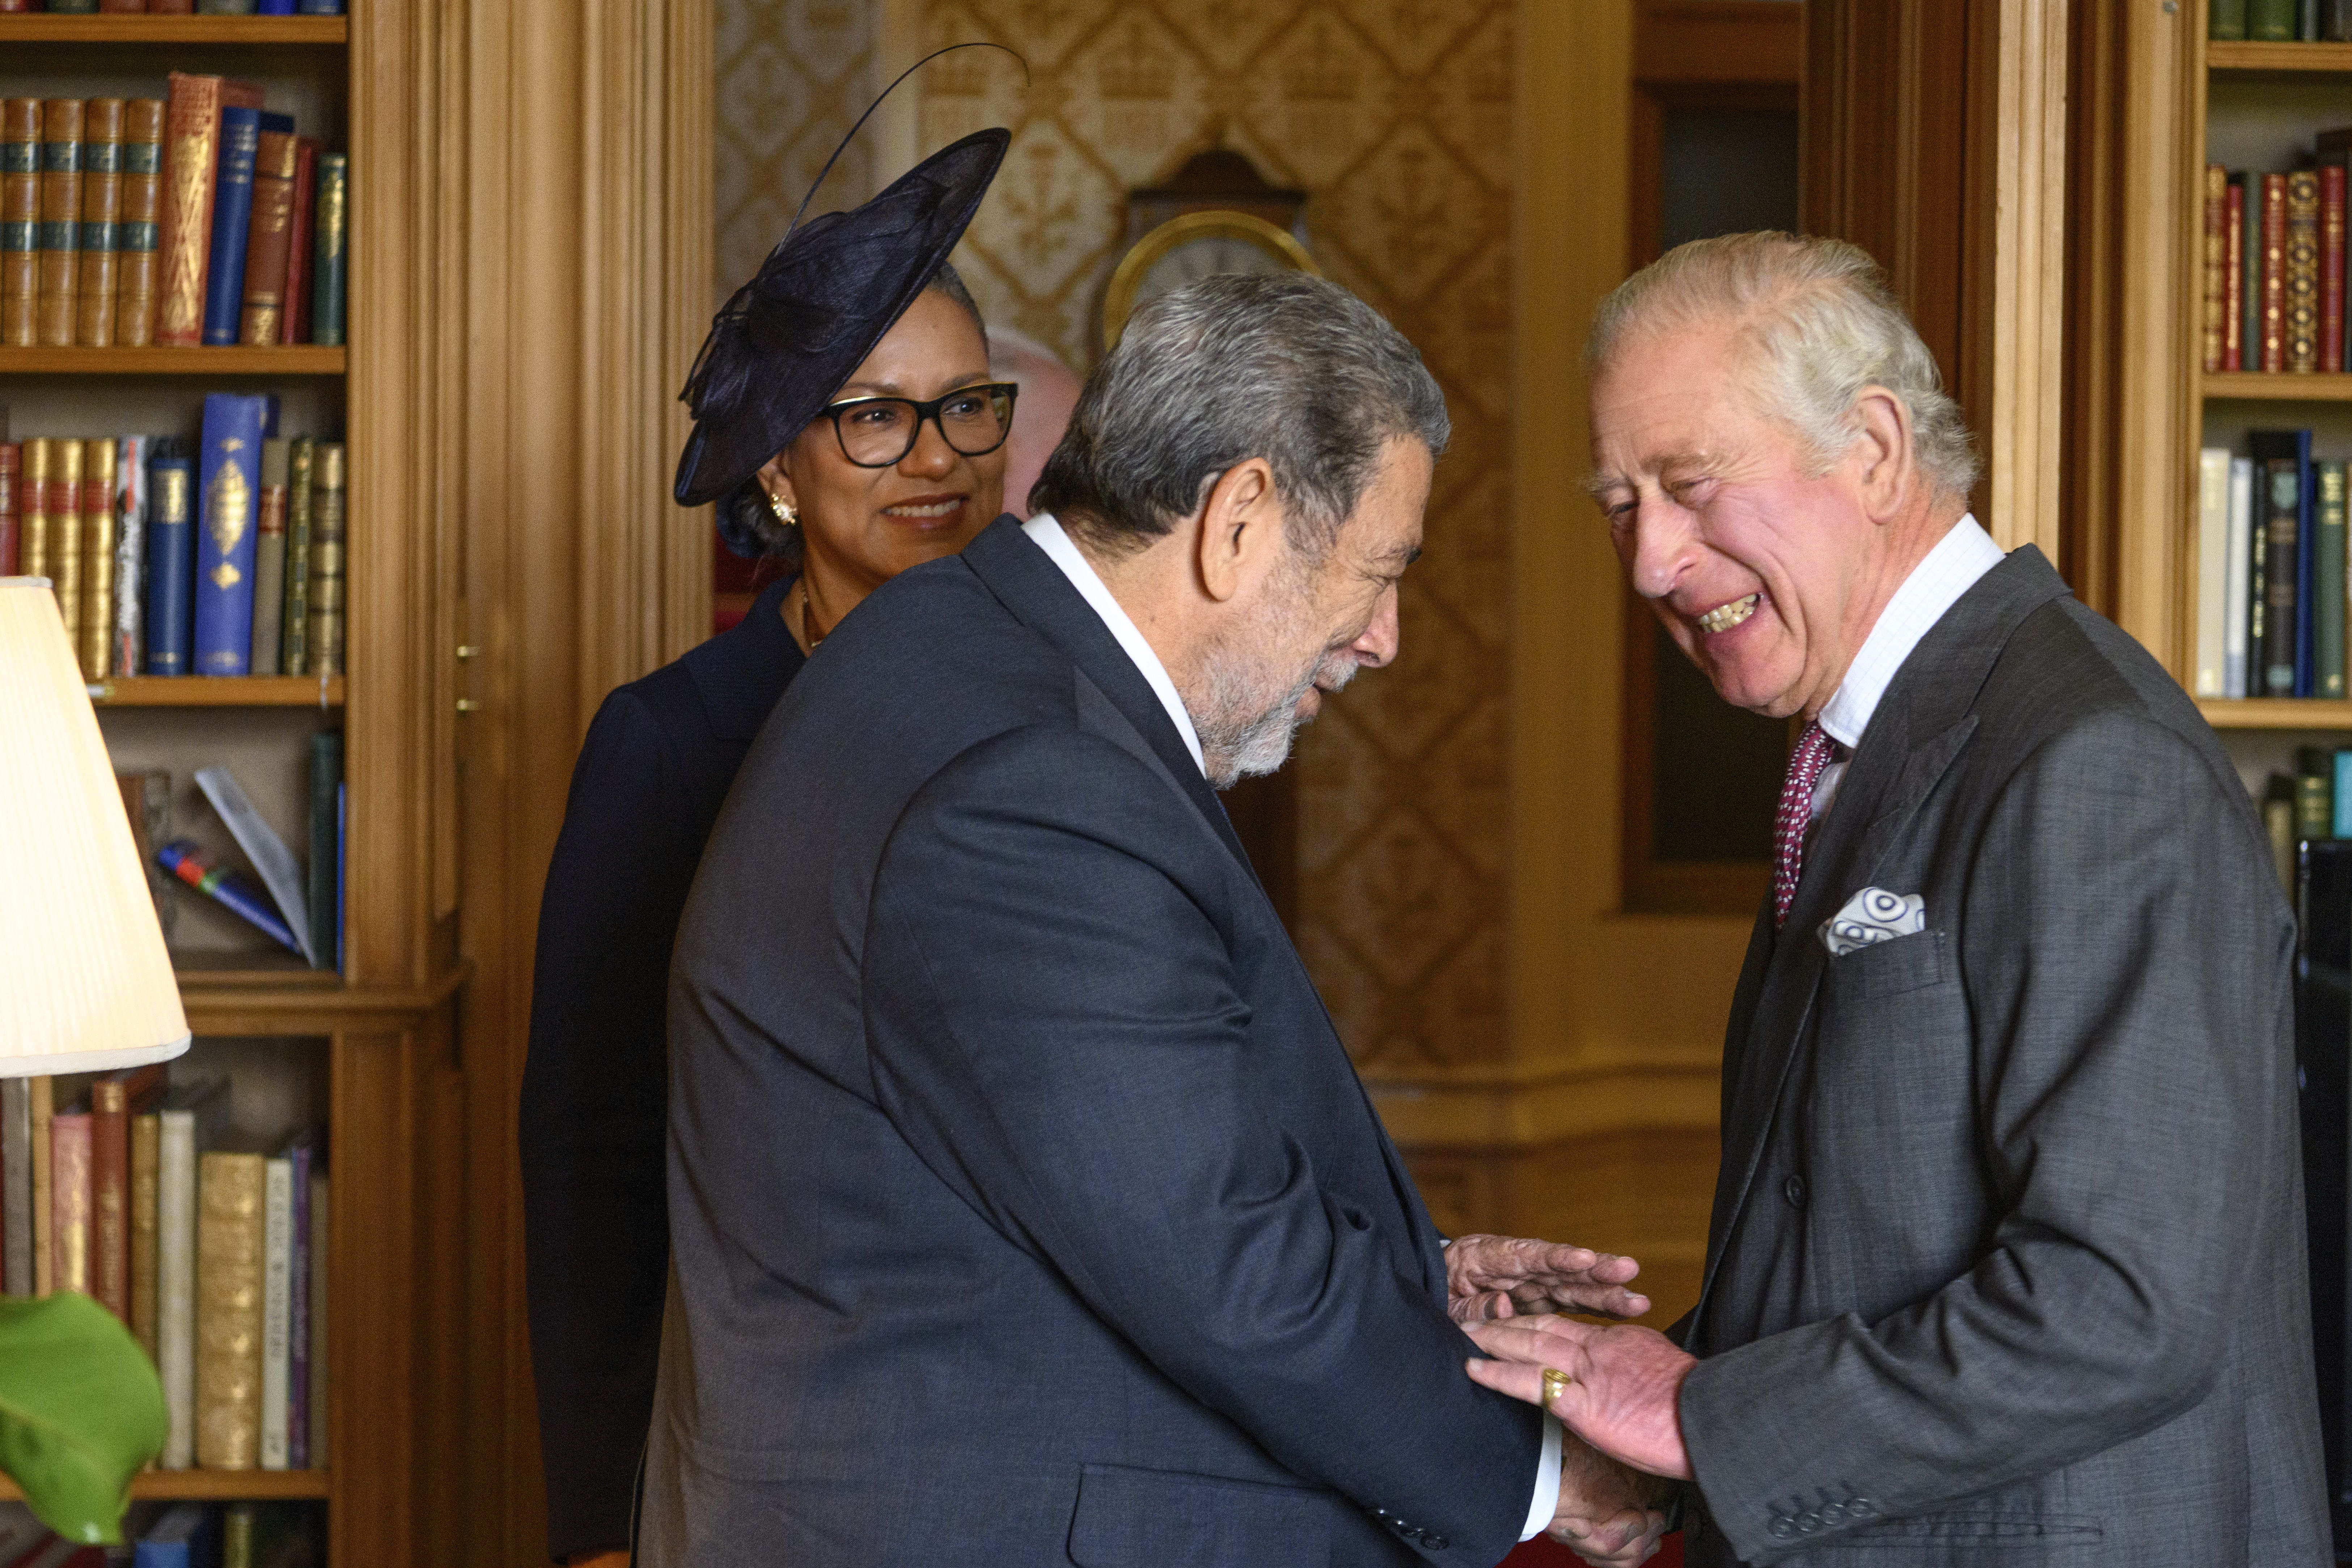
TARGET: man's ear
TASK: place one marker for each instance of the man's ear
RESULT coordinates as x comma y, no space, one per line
778,483
1241,528
1883,448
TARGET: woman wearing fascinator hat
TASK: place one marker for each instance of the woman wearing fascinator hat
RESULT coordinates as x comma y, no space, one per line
844,418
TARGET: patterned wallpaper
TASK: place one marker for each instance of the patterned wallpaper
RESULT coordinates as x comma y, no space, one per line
1394,116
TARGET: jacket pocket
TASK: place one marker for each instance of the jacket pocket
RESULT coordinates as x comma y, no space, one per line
1128,1518
1892,968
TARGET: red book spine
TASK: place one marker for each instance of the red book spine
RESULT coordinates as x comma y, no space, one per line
6,5
2273,294
172,7
9,456
122,7
184,241
2234,283
297,321
2331,267
109,1197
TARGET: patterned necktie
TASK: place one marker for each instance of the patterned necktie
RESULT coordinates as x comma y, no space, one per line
1796,814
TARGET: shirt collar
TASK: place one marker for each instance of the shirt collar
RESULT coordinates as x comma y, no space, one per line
1934,585
1048,534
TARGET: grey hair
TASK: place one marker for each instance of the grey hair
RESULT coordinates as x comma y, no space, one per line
1288,368
748,525
1815,323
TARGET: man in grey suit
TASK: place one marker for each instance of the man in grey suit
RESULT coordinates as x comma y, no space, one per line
1024,1206
2006,1261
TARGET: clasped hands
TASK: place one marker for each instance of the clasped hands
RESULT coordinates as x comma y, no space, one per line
1620,1398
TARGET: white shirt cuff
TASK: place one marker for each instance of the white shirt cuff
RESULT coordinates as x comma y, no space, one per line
1546,1498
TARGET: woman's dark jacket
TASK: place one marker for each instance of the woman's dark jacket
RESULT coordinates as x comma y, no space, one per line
655,768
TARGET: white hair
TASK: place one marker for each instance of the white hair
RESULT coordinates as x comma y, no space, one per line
1814,323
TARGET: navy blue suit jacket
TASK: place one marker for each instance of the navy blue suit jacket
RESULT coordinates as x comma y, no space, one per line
658,757
1026,1206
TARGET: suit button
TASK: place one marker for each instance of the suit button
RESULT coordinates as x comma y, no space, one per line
1436,1542
1808,1523
1794,1189
1780,1529
1861,1508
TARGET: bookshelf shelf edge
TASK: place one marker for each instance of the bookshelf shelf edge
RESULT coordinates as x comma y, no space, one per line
38,28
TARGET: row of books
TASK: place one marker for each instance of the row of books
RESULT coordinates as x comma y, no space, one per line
2270,571
215,1259
2281,21
176,1535
230,563
199,218
2313,802
2273,265
297,905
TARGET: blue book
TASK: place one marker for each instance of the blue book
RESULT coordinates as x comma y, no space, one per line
274,8
322,7
176,1540
228,499
240,140
171,559
2342,826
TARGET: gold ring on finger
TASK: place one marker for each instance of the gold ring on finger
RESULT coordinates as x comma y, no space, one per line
1555,1383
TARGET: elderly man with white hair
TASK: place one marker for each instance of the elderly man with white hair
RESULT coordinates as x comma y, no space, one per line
2007,1255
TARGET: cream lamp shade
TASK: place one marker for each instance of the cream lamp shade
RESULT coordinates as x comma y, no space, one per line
85,982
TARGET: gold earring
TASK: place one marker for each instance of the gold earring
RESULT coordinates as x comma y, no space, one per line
786,513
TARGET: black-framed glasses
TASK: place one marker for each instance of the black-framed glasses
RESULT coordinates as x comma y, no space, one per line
877,432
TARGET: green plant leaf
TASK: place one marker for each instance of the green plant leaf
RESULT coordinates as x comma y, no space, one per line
80,1411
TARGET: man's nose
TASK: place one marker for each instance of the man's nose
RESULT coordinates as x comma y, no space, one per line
1378,645
1664,545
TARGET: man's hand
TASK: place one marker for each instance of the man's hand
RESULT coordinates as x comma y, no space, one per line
1491,1277
1609,1515
1623,1391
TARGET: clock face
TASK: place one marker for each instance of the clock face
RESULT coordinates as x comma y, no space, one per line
1207,257
1194,246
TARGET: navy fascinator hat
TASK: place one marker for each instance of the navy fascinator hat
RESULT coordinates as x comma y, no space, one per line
786,340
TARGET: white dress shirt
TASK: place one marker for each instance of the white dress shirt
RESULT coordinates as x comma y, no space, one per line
1934,585
1051,538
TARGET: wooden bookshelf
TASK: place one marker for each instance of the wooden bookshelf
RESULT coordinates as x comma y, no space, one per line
2276,713
2254,387
2265,59
240,31
218,691
369,1052
213,1486
296,358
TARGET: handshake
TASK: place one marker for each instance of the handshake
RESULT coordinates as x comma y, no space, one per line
1615,1388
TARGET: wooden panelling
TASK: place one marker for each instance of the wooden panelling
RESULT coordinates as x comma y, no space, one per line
1725,41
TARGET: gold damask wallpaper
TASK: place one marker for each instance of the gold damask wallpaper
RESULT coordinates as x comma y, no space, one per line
1394,116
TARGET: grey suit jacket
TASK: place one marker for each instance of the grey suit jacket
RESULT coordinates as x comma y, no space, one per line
2006,1257
1026,1206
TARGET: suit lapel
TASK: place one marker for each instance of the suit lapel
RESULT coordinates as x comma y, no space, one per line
1025,580
1921,726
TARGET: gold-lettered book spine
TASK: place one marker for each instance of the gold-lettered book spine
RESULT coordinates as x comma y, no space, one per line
65,536
32,466
300,465
191,154
326,561
43,1095
101,216
20,220
61,134
146,1144
229,1243
142,208
97,557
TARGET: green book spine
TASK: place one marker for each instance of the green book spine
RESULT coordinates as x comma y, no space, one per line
2250,278
2272,21
73,7
2226,20
2328,583
326,781
330,214
296,621
224,7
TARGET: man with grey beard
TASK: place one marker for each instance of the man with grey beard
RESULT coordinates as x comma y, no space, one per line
1024,1205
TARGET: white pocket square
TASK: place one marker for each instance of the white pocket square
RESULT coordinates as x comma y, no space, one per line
1874,915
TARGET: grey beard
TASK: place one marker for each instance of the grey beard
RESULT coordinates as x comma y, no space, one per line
1240,736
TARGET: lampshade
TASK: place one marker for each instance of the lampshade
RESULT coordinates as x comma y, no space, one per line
85,982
